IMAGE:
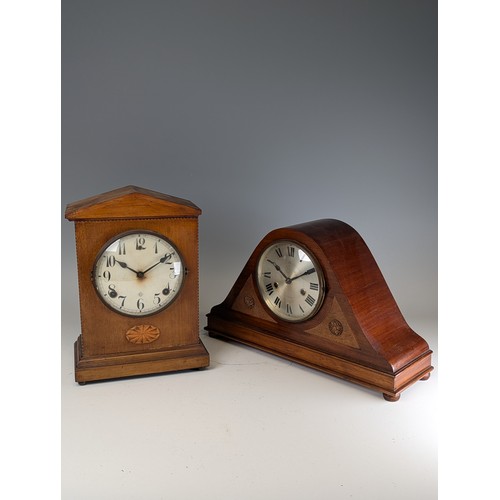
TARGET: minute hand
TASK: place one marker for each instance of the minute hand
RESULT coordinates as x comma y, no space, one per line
161,261
309,271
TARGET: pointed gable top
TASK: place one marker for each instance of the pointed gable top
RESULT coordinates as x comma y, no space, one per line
130,202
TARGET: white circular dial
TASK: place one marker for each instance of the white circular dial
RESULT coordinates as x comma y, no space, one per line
290,281
138,273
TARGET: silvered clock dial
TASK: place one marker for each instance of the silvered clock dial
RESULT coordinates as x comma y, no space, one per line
290,281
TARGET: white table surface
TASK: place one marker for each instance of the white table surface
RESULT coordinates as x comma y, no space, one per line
251,426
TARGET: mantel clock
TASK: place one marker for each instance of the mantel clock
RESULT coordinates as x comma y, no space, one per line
137,258
313,293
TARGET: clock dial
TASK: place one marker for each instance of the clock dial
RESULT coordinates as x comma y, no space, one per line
138,273
290,281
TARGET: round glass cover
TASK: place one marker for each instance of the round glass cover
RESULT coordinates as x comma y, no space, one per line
138,273
290,281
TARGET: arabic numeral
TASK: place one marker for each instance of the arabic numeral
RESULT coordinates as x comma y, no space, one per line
140,241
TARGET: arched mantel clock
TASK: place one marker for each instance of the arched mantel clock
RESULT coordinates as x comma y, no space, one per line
313,293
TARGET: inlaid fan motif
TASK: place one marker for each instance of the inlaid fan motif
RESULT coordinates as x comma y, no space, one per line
142,334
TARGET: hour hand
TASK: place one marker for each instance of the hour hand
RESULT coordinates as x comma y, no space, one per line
278,268
125,266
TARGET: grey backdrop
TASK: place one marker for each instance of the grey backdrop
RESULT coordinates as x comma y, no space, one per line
264,114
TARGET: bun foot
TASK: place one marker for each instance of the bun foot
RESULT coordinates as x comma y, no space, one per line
391,398
426,377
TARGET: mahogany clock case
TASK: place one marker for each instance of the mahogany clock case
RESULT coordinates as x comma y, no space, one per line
358,334
114,345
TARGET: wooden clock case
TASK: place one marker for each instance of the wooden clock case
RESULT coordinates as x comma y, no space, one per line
106,349
359,333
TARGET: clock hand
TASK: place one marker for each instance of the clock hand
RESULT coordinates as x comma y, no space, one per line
309,271
278,268
161,261
125,266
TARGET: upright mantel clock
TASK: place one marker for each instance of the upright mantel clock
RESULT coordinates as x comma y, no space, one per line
313,293
137,257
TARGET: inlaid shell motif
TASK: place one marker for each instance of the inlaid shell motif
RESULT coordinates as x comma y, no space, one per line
142,334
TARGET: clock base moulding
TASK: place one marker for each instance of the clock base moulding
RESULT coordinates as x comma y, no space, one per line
113,366
357,334
391,385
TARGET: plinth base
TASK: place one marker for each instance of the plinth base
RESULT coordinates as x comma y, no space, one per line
389,384
93,368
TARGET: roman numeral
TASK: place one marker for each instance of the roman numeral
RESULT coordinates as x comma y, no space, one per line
314,286
267,275
291,251
277,301
269,288
289,309
310,300
279,252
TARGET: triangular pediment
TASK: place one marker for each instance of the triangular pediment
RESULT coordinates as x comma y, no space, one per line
130,202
